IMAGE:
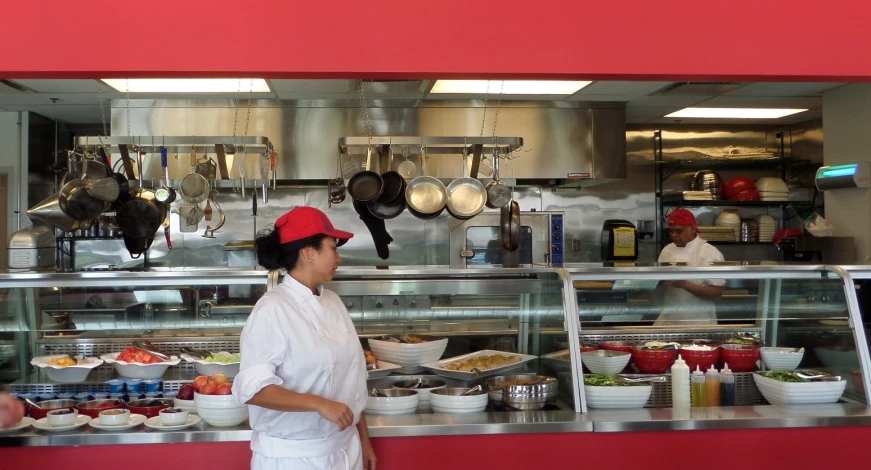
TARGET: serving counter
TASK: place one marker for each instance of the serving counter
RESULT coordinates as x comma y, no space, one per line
541,312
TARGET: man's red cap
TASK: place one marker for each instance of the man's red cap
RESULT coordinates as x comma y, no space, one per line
682,217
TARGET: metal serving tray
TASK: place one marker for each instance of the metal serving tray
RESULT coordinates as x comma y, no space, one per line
437,367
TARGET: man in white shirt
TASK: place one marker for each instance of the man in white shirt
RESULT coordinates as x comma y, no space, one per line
689,301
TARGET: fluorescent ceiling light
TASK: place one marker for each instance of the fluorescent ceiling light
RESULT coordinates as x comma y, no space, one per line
188,85
734,113
509,87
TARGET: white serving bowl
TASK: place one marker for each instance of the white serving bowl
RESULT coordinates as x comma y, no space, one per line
204,367
68,374
450,400
799,393
424,390
605,362
139,371
408,356
114,417
62,417
397,401
189,405
601,397
180,416
781,358
220,410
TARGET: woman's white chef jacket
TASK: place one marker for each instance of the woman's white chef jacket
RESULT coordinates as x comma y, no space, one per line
307,344
680,306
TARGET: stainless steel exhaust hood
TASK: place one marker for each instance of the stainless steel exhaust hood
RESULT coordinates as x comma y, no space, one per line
570,143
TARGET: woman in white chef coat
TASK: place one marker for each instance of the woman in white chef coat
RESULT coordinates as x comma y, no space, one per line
689,301
303,372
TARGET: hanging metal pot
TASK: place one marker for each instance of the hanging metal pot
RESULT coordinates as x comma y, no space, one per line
497,193
393,184
49,211
467,196
510,225
137,246
142,215
76,202
426,196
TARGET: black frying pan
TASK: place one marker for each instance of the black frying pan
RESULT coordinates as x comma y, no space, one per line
367,185
387,211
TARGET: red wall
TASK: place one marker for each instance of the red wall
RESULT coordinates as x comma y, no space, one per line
628,39
771,449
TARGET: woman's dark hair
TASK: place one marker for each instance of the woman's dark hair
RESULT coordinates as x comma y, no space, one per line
272,254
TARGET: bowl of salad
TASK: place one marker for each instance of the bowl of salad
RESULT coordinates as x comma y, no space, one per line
790,388
221,362
608,392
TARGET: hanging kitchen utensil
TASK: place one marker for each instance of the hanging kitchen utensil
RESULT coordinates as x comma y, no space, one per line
127,162
407,168
105,189
393,183
497,193
264,174
166,232
273,169
49,212
367,185
336,186
211,229
222,162
137,246
194,188
377,229
77,203
466,195
387,211
123,184
142,215
510,225
425,195
207,168
72,168
164,194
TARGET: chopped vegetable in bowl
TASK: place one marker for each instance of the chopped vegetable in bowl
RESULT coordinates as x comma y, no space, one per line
597,380
223,358
784,376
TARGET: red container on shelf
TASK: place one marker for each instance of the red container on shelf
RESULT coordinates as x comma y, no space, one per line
741,358
653,361
703,359
149,407
49,405
94,407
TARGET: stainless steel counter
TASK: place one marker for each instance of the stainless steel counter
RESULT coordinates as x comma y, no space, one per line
648,419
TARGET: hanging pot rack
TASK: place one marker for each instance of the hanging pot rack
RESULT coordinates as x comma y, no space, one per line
251,145
433,145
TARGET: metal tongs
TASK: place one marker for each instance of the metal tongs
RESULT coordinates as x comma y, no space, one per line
149,348
630,378
376,393
816,376
475,389
196,353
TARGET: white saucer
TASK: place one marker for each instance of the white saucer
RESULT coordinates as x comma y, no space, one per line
25,422
154,423
132,422
42,424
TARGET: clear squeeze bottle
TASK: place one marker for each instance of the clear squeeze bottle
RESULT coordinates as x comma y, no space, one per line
727,387
680,384
698,381
712,387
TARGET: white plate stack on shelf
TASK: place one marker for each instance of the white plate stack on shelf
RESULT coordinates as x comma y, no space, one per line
772,190
697,196
767,227
717,234
729,219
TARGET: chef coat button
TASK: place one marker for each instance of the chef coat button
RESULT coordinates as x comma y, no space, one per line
358,397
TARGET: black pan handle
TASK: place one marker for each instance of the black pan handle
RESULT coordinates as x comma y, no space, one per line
101,151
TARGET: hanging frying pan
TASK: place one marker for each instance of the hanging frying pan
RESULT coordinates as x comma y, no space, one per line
426,196
467,196
387,211
367,185
497,193
510,225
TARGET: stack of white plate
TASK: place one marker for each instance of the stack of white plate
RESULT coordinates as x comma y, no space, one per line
767,227
600,398
799,393
408,356
717,234
730,219
772,189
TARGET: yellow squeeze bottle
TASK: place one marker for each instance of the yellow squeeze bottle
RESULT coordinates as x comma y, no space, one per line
698,381
712,386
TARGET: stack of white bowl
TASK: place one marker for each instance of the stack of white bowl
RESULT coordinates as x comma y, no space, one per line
220,410
408,356
772,189
767,227
602,398
392,401
452,400
730,219
799,393
423,390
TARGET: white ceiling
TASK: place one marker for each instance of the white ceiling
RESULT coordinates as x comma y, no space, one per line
78,101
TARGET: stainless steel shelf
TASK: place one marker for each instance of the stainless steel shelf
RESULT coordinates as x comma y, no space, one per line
433,145
152,143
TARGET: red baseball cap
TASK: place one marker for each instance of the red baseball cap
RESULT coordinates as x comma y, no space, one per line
304,221
682,217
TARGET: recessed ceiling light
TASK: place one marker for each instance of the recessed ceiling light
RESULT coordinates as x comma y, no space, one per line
188,85
508,87
734,113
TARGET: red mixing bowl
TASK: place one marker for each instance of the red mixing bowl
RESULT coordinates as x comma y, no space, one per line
736,185
703,359
149,407
49,405
653,361
740,358
94,407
